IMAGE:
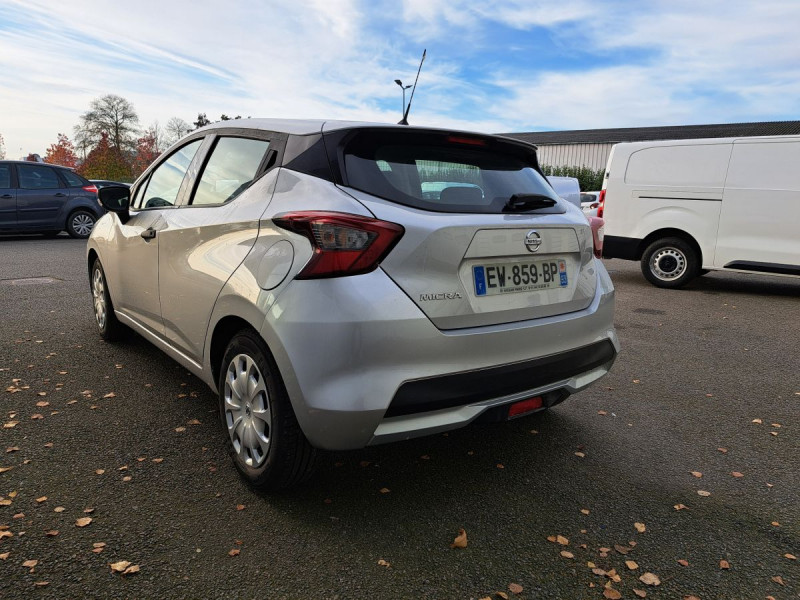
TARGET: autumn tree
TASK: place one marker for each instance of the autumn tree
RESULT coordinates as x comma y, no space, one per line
146,152
62,153
111,115
174,130
105,161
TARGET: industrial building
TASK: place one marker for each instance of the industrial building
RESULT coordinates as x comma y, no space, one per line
591,147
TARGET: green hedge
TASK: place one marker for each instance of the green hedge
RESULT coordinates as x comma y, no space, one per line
589,180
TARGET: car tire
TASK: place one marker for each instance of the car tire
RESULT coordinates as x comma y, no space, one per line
670,263
107,323
263,436
80,224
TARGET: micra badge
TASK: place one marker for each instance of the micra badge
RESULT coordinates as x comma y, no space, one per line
440,296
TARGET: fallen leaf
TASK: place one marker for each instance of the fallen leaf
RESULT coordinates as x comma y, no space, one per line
601,412
681,507
234,552
127,478
180,429
193,422
59,509
635,381
562,540
158,460
502,595
778,579
10,424
42,404
683,562
41,583
723,450
640,593
41,393
131,570
5,469
580,454
775,524
29,564
690,597
5,502
383,563
48,445
42,499
423,457
385,490
37,416
5,534
51,533
83,521
515,588
500,466
611,594
585,511
566,554
461,540
697,474
120,566
621,549
650,579
757,421
12,449
737,474
775,433
640,527
724,564
98,545
631,565
790,556
100,471
703,493
240,507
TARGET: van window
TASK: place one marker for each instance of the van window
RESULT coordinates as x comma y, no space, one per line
765,166
680,166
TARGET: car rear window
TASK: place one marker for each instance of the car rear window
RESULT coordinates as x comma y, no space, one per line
442,172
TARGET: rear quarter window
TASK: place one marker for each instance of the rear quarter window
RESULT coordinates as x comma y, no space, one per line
73,179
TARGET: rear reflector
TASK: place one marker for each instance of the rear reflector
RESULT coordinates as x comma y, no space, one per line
524,406
598,232
343,244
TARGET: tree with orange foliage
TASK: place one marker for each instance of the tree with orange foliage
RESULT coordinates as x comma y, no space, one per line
146,153
105,162
62,153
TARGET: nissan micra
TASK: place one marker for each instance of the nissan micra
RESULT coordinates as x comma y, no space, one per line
344,284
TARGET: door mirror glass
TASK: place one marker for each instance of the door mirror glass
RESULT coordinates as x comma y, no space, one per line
115,198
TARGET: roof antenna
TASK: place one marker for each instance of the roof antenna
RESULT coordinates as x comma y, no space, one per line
404,120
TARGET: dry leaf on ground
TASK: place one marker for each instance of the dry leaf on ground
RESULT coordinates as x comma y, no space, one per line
650,579
680,507
515,588
29,564
461,540
383,563
640,527
640,593
562,540
737,474
631,565
120,566
683,562
51,533
703,493
83,521
611,594
697,474
566,554
724,564
42,499
385,490
790,556
234,552
778,579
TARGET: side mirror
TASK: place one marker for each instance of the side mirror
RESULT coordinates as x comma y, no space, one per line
115,198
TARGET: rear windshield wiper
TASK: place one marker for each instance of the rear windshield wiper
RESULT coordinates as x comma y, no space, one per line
523,202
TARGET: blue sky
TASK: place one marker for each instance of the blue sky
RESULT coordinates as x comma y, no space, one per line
495,65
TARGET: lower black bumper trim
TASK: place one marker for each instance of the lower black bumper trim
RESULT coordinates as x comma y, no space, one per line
615,246
460,389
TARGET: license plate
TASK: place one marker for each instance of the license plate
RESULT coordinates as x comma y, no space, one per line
524,276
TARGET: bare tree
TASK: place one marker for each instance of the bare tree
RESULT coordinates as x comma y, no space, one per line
175,129
158,135
113,115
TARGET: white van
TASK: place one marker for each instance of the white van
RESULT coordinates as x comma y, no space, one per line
566,187
685,207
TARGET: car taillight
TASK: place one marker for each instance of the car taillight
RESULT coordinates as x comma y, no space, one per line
602,206
344,244
90,188
598,232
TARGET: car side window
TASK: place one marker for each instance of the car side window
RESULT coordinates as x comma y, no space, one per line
165,181
5,176
230,170
73,179
32,177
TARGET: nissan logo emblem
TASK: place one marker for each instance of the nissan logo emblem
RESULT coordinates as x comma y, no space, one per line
533,240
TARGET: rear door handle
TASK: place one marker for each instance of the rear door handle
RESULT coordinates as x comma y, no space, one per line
149,233
6,196
60,195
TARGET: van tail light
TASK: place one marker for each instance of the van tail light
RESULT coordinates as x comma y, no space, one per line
598,232
343,244
92,188
602,201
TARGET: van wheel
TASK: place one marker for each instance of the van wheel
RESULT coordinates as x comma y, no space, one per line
670,263
263,436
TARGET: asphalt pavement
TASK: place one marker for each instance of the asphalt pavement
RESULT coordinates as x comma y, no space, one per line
683,461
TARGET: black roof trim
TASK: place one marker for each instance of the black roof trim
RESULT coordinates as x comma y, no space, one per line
649,134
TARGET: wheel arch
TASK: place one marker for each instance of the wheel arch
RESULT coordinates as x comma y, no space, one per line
223,333
666,233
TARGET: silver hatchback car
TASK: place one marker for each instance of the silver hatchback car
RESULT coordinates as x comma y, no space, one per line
344,284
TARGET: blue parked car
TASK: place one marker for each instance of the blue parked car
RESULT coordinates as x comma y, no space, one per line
48,199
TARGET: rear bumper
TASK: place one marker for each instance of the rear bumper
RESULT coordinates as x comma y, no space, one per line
350,349
615,246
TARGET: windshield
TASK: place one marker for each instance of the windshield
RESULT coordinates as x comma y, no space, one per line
442,172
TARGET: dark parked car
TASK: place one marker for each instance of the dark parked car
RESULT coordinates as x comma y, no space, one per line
101,183
42,198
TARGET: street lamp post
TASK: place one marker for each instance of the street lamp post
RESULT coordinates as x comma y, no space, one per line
404,88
